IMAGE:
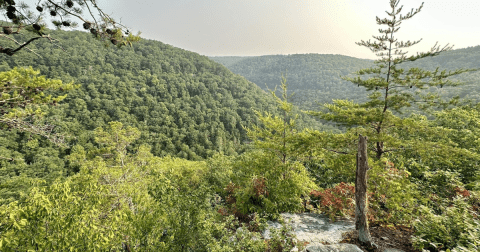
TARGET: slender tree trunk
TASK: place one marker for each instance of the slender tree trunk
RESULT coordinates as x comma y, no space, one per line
361,201
379,149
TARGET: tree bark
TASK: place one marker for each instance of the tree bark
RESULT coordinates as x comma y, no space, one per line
361,201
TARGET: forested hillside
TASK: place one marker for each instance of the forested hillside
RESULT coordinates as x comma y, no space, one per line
185,104
312,77
316,77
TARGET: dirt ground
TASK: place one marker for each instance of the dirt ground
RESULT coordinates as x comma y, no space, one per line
384,237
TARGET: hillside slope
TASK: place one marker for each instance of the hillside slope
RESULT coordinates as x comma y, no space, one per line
316,77
185,104
312,77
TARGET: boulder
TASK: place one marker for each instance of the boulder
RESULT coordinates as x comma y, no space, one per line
312,227
341,247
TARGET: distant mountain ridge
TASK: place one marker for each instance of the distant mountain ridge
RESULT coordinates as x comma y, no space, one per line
316,77
312,77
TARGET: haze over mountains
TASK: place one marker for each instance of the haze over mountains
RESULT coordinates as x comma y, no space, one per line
317,77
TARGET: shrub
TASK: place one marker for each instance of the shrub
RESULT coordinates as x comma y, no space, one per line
457,228
268,186
336,201
392,196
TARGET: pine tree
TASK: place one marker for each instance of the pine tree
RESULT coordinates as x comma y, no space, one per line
393,88
277,133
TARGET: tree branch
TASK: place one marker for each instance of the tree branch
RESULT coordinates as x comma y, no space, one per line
338,152
25,44
3,49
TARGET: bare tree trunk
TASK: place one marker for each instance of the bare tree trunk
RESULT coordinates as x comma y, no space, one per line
361,201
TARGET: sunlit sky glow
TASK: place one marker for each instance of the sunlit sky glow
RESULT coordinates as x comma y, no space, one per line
263,27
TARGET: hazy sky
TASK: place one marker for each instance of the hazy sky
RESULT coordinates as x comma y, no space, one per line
261,27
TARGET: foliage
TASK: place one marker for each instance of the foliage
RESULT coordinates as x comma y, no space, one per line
140,112
21,89
184,104
464,125
456,228
266,179
282,239
148,204
270,178
60,13
337,201
410,153
276,134
312,77
261,183
25,158
117,139
328,157
392,196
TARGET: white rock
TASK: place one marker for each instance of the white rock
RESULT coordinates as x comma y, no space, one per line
341,247
314,227
392,250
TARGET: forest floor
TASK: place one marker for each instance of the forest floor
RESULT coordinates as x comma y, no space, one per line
384,237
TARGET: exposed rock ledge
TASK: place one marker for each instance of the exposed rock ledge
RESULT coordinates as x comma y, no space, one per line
321,234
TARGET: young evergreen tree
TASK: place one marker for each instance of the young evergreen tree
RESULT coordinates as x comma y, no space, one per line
394,88
277,133
272,178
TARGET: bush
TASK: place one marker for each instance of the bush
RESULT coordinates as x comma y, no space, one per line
392,196
457,228
338,201
268,186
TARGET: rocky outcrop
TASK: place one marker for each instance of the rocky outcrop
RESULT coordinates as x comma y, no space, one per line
312,227
341,247
321,234
317,230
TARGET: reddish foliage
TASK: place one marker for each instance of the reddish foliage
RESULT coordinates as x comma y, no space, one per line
231,208
461,192
231,189
260,187
335,201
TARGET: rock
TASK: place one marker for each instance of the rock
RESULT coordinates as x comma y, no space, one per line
271,224
392,250
312,227
341,247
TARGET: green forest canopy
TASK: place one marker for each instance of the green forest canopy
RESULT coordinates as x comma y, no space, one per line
184,104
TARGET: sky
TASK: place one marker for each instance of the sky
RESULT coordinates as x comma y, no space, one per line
265,27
